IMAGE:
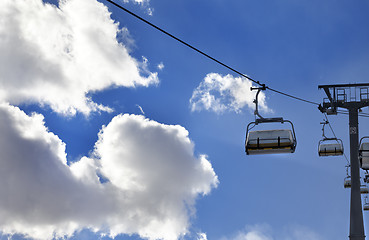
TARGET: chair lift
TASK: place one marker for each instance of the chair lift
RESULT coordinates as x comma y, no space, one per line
364,189
269,141
347,180
366,204
329,146
364,154
366,178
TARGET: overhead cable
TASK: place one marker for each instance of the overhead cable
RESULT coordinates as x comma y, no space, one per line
334,134
288,95
205,54
183,42
330,126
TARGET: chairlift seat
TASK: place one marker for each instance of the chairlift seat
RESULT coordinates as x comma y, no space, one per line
270,141
347,183
366,178
364,189
364,155
331,149
366,207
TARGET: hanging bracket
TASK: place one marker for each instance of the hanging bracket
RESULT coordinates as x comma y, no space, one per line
324,123
256,112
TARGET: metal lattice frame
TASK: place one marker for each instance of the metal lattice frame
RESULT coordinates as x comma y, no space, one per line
346,96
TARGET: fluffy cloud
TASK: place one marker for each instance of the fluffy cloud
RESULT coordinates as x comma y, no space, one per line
265,232
257,232
154,165
160,66
39,195
151,179
52,56
219,93
202,236
143,3
295,231
138,1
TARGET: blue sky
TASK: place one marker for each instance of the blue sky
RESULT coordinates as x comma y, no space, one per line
140,161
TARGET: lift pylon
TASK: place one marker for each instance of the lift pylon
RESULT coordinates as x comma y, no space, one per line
352,97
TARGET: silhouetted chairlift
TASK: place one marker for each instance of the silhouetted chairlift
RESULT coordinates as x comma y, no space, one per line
366,207
366,204
269,141
364,189
366,178
329,146
364,154
347,180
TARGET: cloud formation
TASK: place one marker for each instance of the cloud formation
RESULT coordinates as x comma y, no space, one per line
52,56
154,165
219,93
143,3
202,236
151,179
265,232
254,233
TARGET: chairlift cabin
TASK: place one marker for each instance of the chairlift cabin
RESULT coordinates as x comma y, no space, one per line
347,182
330,147
366,204
364,154
366,178
366,207
364,189
269,141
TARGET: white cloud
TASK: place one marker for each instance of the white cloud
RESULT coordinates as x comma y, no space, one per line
256,232
219,93
39,195
265,232
138,1
153,179
202,236
295,231
56,56
161,66
143,3
141,109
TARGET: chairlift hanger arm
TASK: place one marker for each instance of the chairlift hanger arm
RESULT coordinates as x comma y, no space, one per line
256,112
362,139
324,123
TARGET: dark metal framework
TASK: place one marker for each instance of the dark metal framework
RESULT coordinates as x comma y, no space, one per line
352,97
